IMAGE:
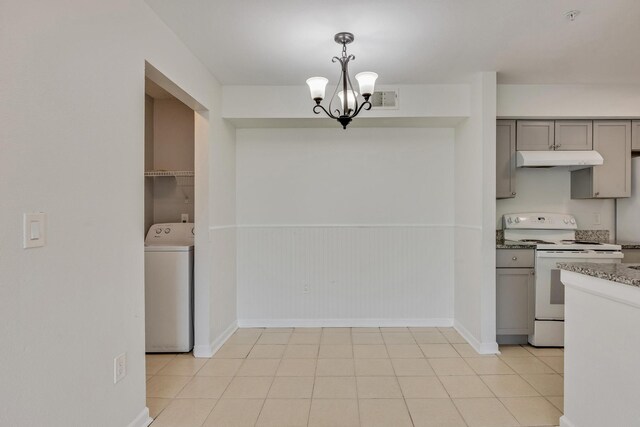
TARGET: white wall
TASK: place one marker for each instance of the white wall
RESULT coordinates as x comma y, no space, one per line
71,138
568,101
345,228
257,102
474,217
549,190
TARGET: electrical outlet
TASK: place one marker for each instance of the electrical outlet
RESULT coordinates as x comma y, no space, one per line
119,368
596,219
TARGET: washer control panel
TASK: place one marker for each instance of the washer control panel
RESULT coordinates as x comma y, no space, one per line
170,234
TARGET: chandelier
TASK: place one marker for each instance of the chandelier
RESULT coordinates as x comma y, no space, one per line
348,107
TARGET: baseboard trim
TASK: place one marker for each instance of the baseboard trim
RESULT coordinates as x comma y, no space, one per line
142,420
207,351
564,422
344,323
480,347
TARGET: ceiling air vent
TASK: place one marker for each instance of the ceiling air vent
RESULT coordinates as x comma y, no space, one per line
386,99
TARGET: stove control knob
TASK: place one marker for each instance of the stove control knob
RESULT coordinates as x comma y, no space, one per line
158,230
167,230
517,220
573,221
509,220
566,221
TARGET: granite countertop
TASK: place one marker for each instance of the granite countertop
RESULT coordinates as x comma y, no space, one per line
621,273
630,245
503,245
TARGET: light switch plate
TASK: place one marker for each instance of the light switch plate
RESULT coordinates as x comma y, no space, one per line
34,230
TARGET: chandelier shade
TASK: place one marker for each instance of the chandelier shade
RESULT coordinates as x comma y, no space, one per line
351,99
317,86
367,82
343,109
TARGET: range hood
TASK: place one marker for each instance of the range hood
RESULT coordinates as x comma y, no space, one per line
534,159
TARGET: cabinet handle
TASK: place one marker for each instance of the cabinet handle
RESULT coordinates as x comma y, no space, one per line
597,193
515,258
557,146
513,193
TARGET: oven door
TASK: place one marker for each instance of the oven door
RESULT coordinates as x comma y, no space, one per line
549,289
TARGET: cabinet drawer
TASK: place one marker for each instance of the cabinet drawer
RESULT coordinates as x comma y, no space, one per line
515,258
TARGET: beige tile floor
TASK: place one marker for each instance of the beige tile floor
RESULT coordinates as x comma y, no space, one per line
331,377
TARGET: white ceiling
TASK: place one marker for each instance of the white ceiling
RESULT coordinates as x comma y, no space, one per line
282,42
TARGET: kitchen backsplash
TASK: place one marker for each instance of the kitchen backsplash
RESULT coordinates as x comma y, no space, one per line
601,236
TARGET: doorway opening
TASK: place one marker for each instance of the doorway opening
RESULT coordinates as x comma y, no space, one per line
175,201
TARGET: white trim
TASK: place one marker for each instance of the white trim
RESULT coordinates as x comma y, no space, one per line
471,227
207,351
417,225
221,227
142,420
564,422
214,228
480,347
352,323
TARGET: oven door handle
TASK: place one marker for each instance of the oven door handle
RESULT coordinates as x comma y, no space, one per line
584,255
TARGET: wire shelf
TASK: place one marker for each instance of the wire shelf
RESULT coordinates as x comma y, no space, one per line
174,174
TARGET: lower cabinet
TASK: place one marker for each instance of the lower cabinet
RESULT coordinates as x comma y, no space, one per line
631,256
515,301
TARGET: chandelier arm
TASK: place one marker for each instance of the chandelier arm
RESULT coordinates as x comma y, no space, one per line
335,92
346,72
323,109
364,106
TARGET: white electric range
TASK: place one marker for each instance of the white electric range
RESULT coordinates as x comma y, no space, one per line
554,237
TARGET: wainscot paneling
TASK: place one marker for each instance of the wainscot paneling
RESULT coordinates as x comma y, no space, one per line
345,275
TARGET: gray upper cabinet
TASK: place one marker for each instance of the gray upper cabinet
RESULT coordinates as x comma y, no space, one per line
571,135
535,135
635,135
505,159
612,139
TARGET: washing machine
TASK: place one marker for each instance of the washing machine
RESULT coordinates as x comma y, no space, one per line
168,288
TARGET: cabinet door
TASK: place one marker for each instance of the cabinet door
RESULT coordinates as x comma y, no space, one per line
612,139
571,135
505,159
535,135
515,301
635,135
631,256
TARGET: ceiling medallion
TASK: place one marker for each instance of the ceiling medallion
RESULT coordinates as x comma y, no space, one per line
348,107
